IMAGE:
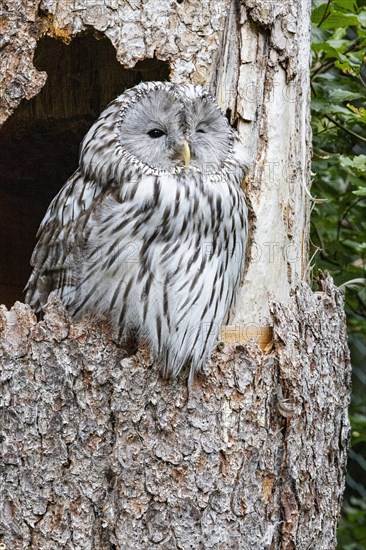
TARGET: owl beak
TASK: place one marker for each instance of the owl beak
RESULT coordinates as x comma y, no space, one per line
185,153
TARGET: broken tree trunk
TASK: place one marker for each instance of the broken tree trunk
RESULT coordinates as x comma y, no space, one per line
97,450
100,452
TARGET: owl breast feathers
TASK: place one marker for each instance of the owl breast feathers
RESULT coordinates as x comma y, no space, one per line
150,230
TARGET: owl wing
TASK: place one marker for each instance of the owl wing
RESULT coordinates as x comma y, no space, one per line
61,236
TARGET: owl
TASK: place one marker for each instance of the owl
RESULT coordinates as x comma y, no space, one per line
150,231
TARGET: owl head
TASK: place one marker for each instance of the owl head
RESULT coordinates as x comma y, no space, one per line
160,127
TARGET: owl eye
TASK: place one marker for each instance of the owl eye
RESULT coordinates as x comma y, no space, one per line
156,133
201,131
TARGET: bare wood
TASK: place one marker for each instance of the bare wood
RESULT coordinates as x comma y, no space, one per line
242,334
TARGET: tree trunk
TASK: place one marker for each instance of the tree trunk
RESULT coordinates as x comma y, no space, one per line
98,451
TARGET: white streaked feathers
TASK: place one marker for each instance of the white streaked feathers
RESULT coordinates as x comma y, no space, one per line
136,235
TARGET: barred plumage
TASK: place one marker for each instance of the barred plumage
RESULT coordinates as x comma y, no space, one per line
151,228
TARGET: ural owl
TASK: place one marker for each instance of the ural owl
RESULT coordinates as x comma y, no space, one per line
150,230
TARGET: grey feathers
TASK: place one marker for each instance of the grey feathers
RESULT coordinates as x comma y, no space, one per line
151,229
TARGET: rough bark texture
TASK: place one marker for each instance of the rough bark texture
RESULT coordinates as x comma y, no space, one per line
99,452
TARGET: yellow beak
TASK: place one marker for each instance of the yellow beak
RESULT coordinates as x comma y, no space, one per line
186,153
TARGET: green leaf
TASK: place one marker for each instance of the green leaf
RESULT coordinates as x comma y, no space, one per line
360,192
347,68
319,35
345,5
330,51
362,18
337,19
357,163
338,44
318,13
343,95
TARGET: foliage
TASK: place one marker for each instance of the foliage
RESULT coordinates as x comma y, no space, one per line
339,221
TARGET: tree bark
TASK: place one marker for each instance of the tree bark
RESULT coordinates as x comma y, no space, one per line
99,452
